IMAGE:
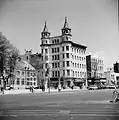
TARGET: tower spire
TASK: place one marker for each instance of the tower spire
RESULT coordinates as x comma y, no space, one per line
45,33
45,27
66,30
66,23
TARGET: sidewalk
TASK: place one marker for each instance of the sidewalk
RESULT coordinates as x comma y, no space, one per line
27,91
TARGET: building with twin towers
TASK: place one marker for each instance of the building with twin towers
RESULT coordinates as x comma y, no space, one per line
64,60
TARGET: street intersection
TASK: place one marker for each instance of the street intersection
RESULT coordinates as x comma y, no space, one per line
73,105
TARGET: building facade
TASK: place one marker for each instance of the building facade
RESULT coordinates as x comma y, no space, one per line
25,76
112,78
65,59
116,67
36,61
95,68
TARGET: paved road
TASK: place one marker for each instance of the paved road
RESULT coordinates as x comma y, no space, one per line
86,105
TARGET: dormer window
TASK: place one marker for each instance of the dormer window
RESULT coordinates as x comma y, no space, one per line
27,58
66,38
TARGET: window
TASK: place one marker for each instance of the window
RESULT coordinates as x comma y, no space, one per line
46,57
55,65
22,73
57,49
67,48
52,57
27,58
73,73
34,79
80,58
46,65
46,41
22,82
57,40
66,38
76,73
18,81
57,57
34,83
53,73
77,50
52,65
63,64
58,73
58,64
63,48
63,72
78,65
72,56
42,58
42,51
73,64
46,50
52,41
63,56
67,55
27,83
68,72
52,50
67,63
28,73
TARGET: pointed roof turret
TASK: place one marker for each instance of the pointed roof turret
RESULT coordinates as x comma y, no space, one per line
45,28
45,33
66,30
66,24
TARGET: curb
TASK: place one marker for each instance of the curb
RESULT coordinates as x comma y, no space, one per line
13,92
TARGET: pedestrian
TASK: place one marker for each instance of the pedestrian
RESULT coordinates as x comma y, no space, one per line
2,86
72,87
32,89
2,90
59,87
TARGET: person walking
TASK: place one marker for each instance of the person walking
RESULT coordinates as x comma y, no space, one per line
59,87
2,86
32,89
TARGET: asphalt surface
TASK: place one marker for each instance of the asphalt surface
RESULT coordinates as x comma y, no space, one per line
83,105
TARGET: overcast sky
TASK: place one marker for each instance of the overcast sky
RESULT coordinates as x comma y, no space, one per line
93,23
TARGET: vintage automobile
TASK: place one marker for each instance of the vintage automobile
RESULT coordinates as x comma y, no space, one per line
92,87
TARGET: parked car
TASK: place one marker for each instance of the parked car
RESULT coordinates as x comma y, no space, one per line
9,88
92,87
110,87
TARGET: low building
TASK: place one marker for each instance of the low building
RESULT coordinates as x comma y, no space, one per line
35,61
25,76
111,77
